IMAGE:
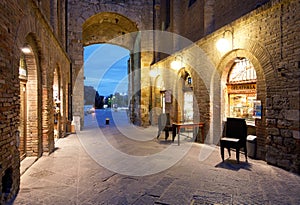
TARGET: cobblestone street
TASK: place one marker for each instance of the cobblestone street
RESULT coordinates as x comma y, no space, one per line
71,176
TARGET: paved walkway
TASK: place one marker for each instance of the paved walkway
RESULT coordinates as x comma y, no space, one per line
74,174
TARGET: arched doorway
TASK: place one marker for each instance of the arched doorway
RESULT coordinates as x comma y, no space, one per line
188,96
244,91
241,90
23,106
30,127
57,95
103,28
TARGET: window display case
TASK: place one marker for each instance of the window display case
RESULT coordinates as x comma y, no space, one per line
241,106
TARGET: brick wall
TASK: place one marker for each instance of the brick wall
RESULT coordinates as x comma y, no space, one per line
205,16
22,24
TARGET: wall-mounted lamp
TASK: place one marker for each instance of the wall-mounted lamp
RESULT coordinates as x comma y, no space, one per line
177,64
189,80
223,44
26,50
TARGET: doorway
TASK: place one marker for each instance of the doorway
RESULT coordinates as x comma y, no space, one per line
188,112
23,107
57,104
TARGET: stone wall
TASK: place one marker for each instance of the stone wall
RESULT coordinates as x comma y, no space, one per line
269,38
202,17
138,13
23,23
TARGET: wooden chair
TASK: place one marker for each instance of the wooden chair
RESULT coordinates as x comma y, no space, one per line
235,137
164,125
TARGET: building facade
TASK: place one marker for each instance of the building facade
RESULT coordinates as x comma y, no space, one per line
256,77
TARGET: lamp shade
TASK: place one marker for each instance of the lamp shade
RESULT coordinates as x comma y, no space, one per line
223,45
176,65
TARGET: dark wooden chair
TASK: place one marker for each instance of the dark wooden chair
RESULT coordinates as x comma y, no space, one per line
164,125
235,137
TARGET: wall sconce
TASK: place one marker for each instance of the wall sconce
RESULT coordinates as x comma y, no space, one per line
176,64
223,44
189,80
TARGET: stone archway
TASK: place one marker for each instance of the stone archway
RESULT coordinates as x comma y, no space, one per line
223,69
32,100
103,28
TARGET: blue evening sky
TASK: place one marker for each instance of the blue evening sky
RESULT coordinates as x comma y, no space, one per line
105,68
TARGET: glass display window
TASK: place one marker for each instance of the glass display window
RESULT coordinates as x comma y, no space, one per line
241,105
241,89
188,107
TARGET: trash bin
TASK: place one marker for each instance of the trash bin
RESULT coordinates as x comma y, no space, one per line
251,146
107,121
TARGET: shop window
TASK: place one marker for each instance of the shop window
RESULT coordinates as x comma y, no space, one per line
188,114
241,88
188,100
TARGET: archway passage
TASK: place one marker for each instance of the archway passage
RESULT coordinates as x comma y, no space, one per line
103,28
57,99
106,69
23,106
30,126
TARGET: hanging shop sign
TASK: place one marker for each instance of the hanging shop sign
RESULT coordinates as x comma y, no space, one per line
242,88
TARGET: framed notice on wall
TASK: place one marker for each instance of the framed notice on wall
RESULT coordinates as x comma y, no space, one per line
257,109
168,96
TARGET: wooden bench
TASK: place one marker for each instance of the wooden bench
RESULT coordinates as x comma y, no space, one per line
235,137
164,125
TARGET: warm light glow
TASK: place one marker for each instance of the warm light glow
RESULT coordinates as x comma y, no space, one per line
223,45
22,72
176,65
26,50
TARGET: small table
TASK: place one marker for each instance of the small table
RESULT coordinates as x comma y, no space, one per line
177,126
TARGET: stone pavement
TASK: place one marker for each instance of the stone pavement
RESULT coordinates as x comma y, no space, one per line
73,175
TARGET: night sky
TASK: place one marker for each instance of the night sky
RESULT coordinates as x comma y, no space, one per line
105,68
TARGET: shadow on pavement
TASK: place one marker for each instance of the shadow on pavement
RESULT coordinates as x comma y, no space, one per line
165,142
233,165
